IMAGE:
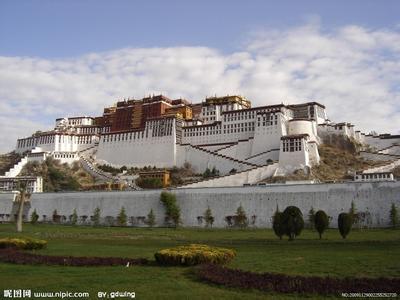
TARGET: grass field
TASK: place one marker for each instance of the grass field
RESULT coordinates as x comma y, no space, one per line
370,253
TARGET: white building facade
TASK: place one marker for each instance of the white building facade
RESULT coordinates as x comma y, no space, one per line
226,135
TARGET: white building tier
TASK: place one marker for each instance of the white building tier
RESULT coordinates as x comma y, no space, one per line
227,133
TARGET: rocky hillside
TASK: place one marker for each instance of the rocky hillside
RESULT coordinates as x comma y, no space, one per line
340,159
338,163
59,177
8,160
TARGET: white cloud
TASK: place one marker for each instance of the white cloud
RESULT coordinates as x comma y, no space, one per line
354,71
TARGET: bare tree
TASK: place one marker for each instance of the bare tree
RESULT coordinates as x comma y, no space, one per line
23,195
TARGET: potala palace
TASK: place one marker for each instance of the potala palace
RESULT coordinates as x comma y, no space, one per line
225,133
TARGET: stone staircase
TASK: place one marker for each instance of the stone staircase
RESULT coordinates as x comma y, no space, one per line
378,156
258,156
386,168
94,171
224,156
249,176
34,155
87,162
17,168
390,154
391,150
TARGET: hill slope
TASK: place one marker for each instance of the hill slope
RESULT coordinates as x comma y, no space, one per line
59,177
8,160
339,164
339,161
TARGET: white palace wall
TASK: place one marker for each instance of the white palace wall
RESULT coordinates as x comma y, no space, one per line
201,160
261,201
268,132
154,146
57,142
217,147
155,151
262,158
303,127
240,151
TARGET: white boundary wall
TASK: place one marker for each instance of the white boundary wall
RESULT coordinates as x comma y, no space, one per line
373,197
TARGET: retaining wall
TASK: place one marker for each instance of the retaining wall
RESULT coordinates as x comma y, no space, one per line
259,201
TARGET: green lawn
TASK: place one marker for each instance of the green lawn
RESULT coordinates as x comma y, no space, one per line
369,253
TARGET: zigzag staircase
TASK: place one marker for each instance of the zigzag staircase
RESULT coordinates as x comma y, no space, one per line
224,156
235,179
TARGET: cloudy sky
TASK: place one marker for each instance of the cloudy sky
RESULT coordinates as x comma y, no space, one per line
69,58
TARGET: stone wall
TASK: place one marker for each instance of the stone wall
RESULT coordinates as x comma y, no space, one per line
259,202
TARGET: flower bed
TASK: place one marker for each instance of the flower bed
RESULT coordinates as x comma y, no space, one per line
194,254
22,243
19,257
295,284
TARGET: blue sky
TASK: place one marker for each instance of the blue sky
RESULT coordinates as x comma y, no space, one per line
63,58
54,29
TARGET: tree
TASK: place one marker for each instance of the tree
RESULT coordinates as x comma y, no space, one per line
208,217
311,217
277,223
149,183
292,221
151,218
96,216
394,216
74,217
21,198
121,218
345,222
56,217
232,171
321,222
214,172
207,173
34,217
241,218
173,212
353,213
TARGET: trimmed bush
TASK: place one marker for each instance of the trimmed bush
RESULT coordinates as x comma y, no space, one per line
321,222
292,222
122,218
345,221
311,218
96,216
277,224
393,216
73,218
241,218
56,217
151,218
24,243
34,217
172,210
353,213
208,217
194,254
